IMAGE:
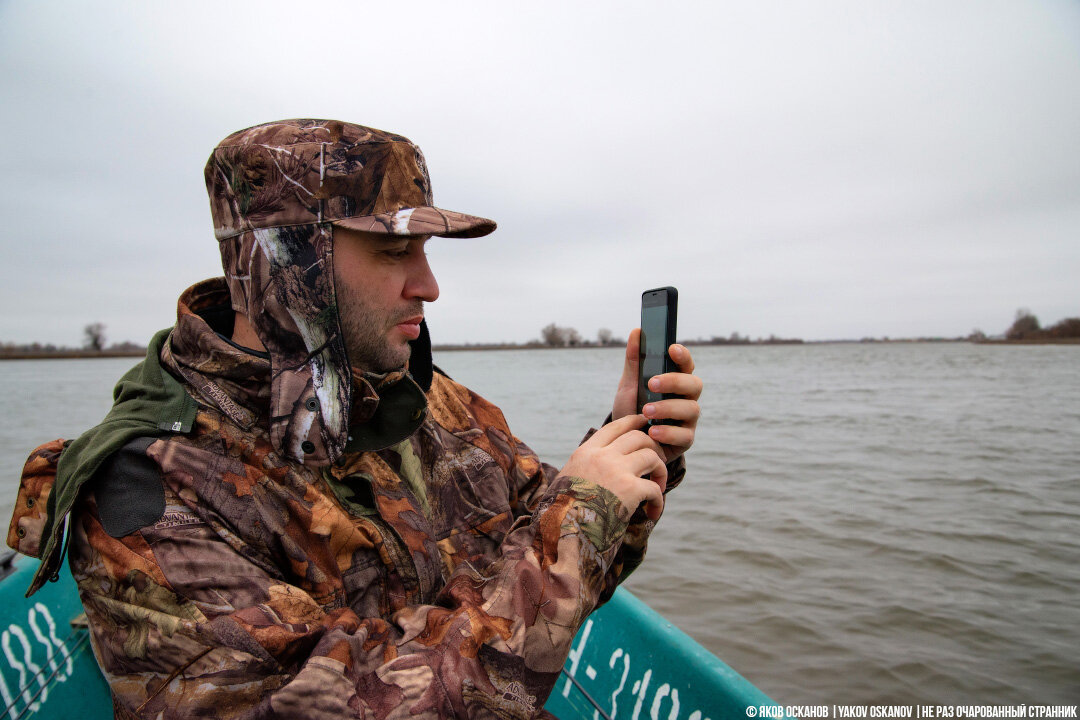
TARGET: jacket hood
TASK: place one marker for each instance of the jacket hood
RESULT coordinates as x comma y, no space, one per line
379,409
282,280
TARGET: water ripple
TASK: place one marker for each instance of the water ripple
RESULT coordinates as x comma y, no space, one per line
860,524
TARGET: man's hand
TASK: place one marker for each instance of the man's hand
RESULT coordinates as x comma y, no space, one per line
674,439
617,457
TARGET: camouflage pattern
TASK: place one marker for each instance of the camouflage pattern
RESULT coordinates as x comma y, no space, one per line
303,172
443,577
28,520
293,573
276,193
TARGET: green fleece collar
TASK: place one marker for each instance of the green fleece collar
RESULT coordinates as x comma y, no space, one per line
147,402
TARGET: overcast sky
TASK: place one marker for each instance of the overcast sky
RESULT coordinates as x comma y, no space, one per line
807,169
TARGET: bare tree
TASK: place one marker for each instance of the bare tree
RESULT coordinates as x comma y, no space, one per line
556,336
551,335
604,336
94,336
1025,325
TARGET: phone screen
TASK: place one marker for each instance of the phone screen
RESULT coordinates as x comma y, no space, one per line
653,334
658,311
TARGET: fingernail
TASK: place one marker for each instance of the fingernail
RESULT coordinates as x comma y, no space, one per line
649,410
654,384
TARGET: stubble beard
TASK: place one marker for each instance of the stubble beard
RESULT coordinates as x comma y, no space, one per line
366,331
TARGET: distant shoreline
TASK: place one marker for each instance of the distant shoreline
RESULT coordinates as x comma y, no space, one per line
1042,341
771,343
70,354
88,355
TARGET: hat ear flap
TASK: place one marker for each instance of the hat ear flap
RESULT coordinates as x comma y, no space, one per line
293,311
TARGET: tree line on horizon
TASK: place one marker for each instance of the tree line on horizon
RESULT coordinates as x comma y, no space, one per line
1025,328
557,336
93,344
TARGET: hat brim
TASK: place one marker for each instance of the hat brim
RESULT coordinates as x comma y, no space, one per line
420,221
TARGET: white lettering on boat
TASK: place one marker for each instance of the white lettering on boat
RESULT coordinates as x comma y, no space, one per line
575,656
663,696
23,667
622,681
34,676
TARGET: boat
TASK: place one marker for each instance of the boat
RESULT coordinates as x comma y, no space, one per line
47,668
626,663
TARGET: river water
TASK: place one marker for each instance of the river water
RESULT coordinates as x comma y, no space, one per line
860,523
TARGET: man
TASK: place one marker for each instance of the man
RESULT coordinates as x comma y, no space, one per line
290,513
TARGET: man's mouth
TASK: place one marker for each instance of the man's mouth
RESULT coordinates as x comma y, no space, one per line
410,327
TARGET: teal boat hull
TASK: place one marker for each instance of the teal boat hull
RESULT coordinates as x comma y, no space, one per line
47,667
627,662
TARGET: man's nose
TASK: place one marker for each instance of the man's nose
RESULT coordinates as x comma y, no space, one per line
421,282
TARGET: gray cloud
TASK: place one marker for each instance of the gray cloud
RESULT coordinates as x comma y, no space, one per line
821,170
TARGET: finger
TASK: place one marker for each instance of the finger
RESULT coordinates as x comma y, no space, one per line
654,502
673,436
680,383
630,361
633,441
626,393
615,429
684,411
647,462
660,480
682,357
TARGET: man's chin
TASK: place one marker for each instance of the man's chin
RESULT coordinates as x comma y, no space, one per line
406,356
389,360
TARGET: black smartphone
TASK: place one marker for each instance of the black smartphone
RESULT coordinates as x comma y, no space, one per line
659,309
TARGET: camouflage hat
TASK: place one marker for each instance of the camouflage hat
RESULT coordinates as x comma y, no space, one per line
299,172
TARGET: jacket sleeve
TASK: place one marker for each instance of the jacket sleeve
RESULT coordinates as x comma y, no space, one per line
533,478
483,424
190,622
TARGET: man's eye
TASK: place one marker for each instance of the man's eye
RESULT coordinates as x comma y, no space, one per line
398,254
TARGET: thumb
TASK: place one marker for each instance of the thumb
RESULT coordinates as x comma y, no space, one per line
630,362
626,394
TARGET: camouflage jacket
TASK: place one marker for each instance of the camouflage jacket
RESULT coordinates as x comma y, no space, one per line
442,576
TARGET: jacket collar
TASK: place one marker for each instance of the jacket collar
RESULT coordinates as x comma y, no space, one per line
385,408
224,376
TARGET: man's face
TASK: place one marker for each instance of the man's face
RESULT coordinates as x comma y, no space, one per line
382,282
